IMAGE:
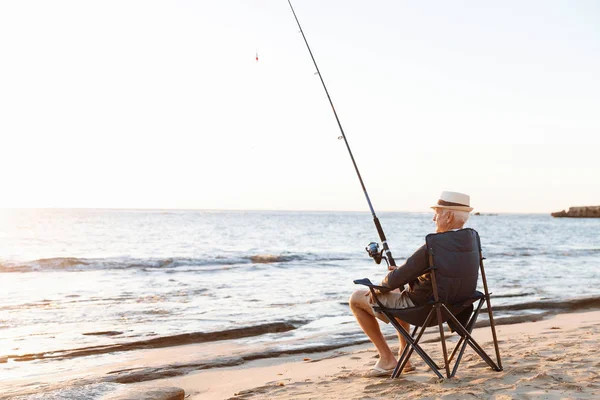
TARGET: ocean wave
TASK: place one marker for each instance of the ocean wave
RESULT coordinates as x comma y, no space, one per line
202,263
273,258
547,252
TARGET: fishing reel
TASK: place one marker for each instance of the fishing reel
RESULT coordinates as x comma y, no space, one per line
376,254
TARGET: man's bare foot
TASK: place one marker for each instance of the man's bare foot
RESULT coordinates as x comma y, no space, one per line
408,368
386,364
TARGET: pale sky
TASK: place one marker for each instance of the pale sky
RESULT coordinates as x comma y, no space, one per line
161,104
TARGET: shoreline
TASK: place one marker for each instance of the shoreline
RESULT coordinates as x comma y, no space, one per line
282,374
544,309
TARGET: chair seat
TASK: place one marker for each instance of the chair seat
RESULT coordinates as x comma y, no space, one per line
417,315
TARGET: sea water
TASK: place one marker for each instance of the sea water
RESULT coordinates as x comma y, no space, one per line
73,278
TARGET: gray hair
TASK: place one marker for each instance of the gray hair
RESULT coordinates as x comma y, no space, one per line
459,216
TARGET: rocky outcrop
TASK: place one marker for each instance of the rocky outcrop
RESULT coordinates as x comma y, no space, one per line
579,212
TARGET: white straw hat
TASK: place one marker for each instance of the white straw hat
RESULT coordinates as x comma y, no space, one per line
454,201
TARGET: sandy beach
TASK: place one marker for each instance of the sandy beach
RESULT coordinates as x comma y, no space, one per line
555,358
551,359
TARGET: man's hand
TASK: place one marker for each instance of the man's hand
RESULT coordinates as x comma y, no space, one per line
391,267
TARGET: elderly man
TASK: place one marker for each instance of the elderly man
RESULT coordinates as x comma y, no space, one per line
451,213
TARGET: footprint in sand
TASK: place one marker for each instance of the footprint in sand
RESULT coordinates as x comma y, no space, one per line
279,381
525,369
542,377
568,344
244,394
480,364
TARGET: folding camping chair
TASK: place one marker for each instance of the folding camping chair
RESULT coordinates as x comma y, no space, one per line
454,260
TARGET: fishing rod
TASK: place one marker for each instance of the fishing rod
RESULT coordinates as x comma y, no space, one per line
372,248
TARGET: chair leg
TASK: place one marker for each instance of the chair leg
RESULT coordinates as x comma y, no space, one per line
493,327
443,338
462,340
401,361
417,339
470,326
406,356
489,308
474,344
459,357
414,345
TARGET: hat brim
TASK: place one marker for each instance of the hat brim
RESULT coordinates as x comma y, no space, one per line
455,208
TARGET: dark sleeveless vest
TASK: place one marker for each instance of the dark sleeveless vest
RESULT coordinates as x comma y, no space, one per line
455,254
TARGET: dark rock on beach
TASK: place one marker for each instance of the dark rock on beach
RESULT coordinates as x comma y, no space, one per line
554,306
579,212
135,375
106,333
161,342
145,393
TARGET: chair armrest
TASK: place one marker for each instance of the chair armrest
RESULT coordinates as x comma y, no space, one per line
367,282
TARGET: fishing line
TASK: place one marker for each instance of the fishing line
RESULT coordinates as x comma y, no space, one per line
372,248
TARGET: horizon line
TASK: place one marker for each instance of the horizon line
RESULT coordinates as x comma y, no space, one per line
483,213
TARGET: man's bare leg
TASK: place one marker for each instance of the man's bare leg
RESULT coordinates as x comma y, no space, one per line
362,310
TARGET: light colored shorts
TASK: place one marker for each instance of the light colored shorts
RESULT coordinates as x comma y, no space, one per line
393,299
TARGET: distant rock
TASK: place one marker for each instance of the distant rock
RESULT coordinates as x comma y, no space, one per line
579,212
